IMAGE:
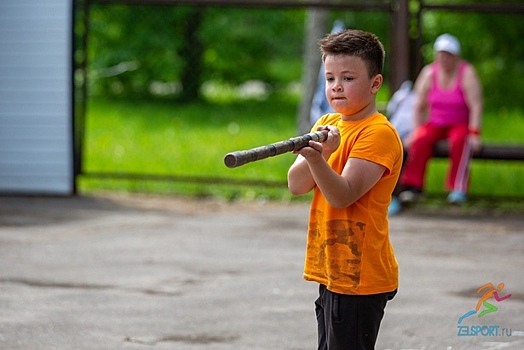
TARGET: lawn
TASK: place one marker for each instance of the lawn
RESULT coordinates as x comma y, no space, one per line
187,143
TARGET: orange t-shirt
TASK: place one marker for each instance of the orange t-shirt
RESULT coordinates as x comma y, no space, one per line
348,249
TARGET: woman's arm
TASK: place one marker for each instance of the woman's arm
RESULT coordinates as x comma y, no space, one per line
473,94
422,86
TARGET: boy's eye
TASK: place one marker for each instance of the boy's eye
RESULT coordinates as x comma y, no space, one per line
348,78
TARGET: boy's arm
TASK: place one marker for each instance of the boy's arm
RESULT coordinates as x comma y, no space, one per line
358,177
299,178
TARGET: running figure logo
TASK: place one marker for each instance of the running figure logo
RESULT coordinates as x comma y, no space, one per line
490,292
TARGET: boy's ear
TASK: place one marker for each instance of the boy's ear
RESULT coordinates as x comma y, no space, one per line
377,83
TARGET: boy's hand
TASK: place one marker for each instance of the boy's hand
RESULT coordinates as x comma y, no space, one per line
315,149
332,142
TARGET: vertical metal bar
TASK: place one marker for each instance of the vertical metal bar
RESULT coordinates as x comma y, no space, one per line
80,92
419,60
400,43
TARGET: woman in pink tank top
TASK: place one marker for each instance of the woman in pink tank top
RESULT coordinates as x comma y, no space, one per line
448,107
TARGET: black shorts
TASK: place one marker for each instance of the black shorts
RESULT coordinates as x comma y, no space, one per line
349,322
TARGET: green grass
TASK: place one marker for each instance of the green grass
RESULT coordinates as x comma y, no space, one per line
181,141
186,140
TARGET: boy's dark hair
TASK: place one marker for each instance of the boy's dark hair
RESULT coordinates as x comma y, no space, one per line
357,43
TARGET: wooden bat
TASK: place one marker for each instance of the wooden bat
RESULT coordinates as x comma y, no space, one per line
235,159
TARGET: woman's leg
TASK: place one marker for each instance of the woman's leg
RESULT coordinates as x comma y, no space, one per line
419,154
460,156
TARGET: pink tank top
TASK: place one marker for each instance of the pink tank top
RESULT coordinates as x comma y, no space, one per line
447,106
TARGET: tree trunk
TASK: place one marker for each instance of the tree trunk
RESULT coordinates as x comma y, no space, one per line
316,28
192,55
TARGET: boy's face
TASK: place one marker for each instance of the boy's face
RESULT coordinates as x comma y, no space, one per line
349,90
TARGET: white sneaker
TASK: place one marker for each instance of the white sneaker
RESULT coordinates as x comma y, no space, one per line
409,196
457,197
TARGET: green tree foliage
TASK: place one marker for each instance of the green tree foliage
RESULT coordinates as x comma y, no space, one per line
259,44
140,51
132,48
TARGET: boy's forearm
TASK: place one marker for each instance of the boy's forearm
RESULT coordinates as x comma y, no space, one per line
299,178
333,186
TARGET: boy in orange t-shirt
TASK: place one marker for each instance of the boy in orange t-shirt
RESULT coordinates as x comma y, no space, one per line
353,174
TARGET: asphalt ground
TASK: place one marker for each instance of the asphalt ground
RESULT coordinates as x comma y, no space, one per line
149,272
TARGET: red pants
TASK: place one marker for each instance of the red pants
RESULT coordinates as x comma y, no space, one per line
421,151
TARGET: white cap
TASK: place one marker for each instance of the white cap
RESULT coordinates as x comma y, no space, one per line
448,43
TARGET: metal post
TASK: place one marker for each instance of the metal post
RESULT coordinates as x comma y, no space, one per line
400,53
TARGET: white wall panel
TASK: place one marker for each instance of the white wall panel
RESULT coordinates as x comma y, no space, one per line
36,151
